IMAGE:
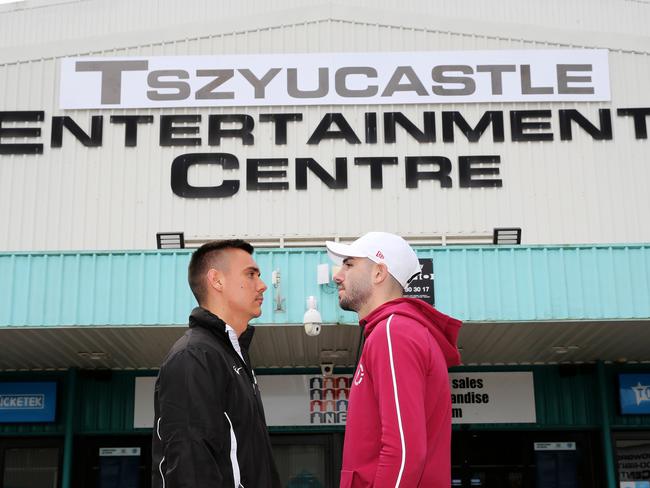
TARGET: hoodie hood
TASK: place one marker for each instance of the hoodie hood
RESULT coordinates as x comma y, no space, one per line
443,328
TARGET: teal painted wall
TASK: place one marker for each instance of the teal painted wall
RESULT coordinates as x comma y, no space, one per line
478,283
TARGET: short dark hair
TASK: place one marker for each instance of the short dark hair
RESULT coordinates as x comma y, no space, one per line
203,257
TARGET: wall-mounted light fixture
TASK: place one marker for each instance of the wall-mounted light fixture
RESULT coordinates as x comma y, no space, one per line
277,293
170,240
93,356
506,236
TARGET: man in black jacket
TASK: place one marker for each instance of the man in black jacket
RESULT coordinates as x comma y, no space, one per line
209,426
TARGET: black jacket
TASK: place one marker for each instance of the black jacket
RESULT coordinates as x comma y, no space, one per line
209,426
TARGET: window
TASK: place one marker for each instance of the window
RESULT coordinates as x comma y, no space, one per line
31,467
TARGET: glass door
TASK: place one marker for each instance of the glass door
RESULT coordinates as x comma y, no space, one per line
308,460
113,462
525,459
633,459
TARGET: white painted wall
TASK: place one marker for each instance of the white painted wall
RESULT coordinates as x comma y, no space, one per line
114,197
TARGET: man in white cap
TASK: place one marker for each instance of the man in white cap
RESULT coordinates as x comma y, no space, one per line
398,431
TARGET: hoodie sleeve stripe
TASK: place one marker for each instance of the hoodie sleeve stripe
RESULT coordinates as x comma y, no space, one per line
397,406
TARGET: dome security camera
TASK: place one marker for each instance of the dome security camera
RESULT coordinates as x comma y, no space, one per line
312,328
312,319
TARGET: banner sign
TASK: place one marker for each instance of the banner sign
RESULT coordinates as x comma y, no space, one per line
476,398
634,393
485,398
547,75
27,402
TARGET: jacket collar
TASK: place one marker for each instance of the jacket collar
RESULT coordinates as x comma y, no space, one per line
200,317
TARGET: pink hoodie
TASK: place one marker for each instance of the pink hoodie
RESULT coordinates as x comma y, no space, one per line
398,431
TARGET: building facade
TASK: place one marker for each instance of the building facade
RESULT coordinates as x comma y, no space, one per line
287,123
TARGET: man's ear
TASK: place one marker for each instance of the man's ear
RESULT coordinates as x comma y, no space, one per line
380,273
215,279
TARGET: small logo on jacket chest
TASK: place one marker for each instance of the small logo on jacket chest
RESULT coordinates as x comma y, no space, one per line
236,369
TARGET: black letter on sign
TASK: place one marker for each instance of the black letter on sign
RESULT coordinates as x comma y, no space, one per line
639,114
371,127
340,182
254,173
167,130
215,132
605,133
413,175
36,116
376,173
473,135
131,126
181,165
391,119
344,132
518,126
467,171
280,121
94,140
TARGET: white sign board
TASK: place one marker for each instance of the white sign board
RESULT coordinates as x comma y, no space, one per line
143,402
493,398
317,400
531,75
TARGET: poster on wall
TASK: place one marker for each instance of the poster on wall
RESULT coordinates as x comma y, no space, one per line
305,399
422,285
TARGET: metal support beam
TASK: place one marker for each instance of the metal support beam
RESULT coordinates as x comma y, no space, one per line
71,390
608,454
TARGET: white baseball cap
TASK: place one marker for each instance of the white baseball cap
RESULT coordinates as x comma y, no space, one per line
383,248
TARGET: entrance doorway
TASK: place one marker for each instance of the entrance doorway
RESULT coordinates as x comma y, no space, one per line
308,460
113,462
482,459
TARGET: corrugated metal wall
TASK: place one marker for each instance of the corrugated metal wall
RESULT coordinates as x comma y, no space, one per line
114,197
472,283
105,402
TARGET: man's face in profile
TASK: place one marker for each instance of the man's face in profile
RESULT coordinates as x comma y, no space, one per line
353,282
243,287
